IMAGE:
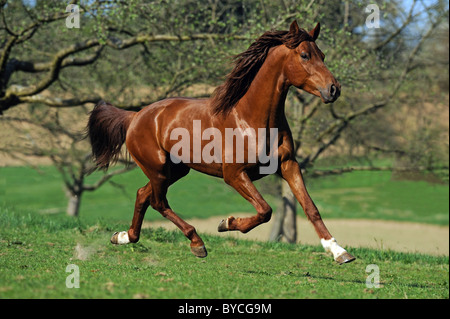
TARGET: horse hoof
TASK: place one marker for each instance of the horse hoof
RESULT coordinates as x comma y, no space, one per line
199,251
120,238
223,226
344,258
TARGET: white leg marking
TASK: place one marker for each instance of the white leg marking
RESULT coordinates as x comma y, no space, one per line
331,245
121,238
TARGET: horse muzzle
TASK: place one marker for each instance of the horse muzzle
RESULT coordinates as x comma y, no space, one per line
330,93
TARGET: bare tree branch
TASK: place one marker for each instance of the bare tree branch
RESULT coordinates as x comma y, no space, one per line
394,34
31,67
108,176
15,94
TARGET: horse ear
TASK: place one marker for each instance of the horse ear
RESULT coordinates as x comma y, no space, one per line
294,29
315,32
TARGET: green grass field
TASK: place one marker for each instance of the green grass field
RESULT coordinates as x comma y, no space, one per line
35,251
376,195
372,195
38,242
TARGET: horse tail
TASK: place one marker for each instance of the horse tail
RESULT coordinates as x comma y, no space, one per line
107,130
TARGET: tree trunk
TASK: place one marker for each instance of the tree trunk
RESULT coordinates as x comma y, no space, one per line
285,225
73,206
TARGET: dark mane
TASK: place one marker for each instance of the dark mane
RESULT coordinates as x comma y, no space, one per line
247,65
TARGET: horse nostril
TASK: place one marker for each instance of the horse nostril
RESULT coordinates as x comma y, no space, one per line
333,90
330,93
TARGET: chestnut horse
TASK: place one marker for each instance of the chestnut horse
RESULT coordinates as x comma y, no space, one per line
252,98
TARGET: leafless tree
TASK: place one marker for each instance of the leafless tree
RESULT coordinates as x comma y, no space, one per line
51,135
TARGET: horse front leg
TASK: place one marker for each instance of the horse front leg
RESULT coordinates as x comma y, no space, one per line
290,171
242,183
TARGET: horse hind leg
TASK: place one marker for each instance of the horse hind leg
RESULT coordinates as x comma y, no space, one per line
161,179
145,197
160,204
142,202
154,194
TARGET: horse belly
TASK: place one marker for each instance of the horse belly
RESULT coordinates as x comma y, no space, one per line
213,169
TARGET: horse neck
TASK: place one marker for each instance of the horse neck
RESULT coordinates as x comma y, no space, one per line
263,104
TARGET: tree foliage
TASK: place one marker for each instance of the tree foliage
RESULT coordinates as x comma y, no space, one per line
132,53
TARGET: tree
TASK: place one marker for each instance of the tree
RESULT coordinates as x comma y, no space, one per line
42,61
56,135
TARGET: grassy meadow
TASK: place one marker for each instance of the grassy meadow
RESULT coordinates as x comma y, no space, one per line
38,242
364,194
36,249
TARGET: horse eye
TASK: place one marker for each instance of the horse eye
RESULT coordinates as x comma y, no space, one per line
304,56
